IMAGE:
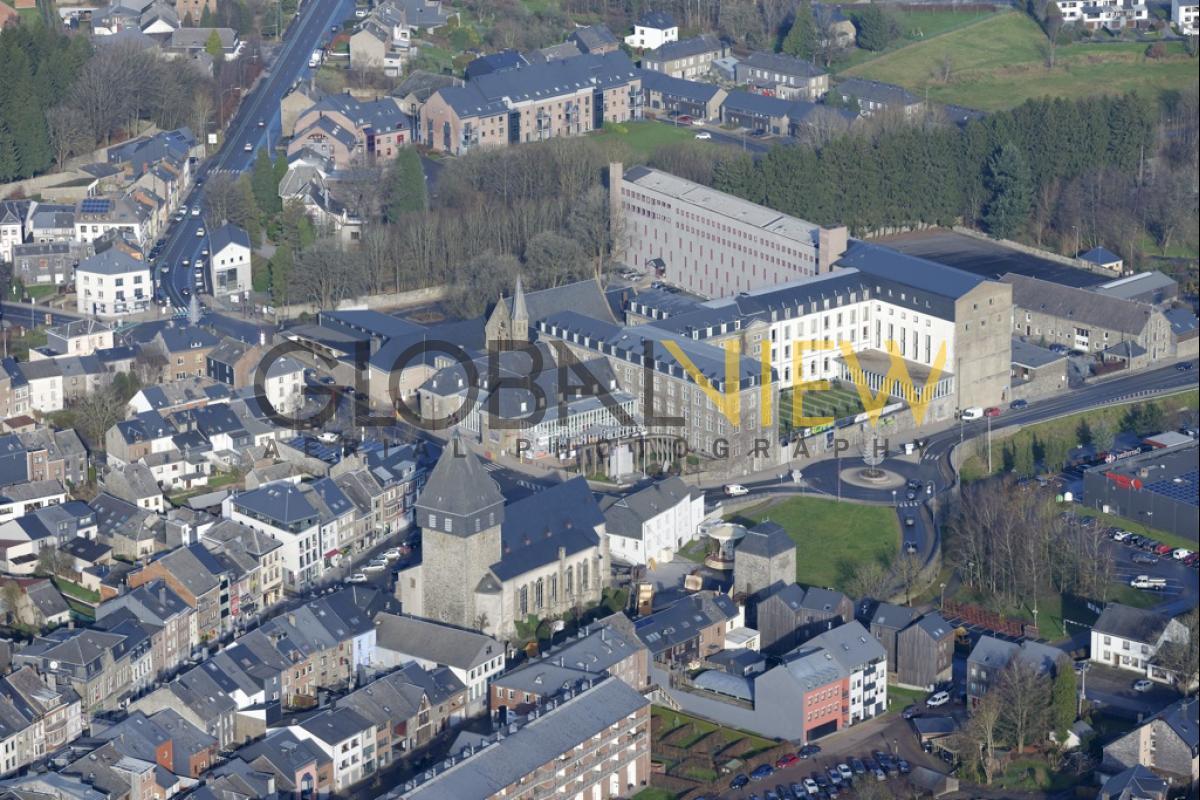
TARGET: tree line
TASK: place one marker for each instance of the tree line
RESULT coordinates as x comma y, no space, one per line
1075,171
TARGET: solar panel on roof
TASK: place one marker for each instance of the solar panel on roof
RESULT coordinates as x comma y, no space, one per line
94,205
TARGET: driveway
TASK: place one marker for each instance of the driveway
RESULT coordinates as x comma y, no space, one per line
1112,690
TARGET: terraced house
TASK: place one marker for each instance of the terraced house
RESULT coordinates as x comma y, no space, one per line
532,103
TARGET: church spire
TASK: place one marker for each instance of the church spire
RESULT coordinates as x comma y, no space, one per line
519,311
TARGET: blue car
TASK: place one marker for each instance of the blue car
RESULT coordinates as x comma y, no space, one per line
762,772
739,782
1018,404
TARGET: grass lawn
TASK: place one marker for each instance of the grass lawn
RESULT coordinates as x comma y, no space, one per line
702,727
900,699
654,793
999,63
38,291
643,138
837,402
76,591
832,538
694,550
916,25
1032,774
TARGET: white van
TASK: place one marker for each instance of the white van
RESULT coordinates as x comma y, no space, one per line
1146,582
972,413
736,490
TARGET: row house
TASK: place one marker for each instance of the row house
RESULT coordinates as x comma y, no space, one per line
300,768
113,284
690,629
165,739
532,102
133,533
52,223
792,615
35,719
198,579
783,76
54,455
48,264
382,41
347,130
348,739
409,707
79,337
96,217
102,667
1130,639
165,612
1110,15
14,225
686,58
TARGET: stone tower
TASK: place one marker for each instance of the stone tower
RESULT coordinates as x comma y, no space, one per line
459,512
509,323
520,315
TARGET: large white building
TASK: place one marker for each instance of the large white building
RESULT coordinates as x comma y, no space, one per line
1109,14
96,216
1129,638
864,658
283,512
229,260
653,524
712,243
112,284
652,31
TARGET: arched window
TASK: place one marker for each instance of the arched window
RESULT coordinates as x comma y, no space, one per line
539,594
524,600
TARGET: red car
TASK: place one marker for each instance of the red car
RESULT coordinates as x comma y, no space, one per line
1164,549
994,411
786,760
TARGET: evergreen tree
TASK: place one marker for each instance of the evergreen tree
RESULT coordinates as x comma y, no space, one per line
875,29
1063,703
1011,187
801,39
213,47
404,190
264,185
281,268
206,19
1023,463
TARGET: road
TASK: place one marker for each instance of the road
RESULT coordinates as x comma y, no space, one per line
185,239
29,316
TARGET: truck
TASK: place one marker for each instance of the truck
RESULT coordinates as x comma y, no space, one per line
316,58
1146,582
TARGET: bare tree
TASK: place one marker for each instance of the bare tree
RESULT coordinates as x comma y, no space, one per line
1024,694
1182,657
870,579
323,276
982,733
69,133
908,572
945,68
10,598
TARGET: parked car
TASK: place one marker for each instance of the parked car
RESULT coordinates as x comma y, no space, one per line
808,750
846,773
1180,554
811,787
762,772
938,699
910,712
994,411
880,775
358,577
904,766
1142,685
1144,558
392,553
738,782
735,490
1148,582
376,565
835,777
1184,367
969,414
1016,404
786,760
1121,536
1163,549
857,765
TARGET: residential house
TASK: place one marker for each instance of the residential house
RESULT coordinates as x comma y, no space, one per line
1104,258
1135,783
79,337
348,739
131,532
532,102
594,741
44,264
676,97
96,217
229,261
758,112
475,659
297,101
1167,743
382,41
782,76
864,661
198,579
35,719
409,707
792,615
924,652
95,664
166,739
167,614
690,59
55,455
112,284
885,621
136,484
594,39
14,223
991,656
45,380
194,9
654,523
286,514
185,349
1111,15
872,97
299,766
231,537
610,647
689,629
130,440
348,130
137,157
418,86
20,499
652,30
52,223
39,604
1129,638
191,42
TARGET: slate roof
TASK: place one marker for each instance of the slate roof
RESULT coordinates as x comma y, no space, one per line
887,94
684,48
584,297
813,668
894,617
539,742
47,599
594,37
459,484
1027,354
383,114
660,20
765,540
14,461
1078,305
881,262
495,62
194,567
740,101
1136,624
596,649
819,599
1102,256
226,235
783,64
282,503
626,515
682,620
935,626
564,517
1132,784
286,752
1183,717
851,645
429,641
696,91
112,261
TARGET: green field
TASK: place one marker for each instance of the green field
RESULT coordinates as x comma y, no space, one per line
999,63
836,402
916,25
643,138
832,539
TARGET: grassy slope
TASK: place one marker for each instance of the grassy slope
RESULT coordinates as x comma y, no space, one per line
832,538
999,63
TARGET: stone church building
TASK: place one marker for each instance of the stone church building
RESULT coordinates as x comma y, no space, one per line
487,565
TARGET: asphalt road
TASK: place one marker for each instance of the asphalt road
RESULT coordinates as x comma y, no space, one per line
184,240
30,317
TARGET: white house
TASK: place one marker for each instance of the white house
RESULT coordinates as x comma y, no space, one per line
80,337
20,499
1128,638
1109,14
229,260
653,30
112,284
347,738
653,524
283,512
14,218
1184,16
96,216
45,379
284,385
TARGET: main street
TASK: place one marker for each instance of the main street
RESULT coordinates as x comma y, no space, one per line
309,29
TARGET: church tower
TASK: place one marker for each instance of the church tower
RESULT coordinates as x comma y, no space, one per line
459,511
509,321
520,315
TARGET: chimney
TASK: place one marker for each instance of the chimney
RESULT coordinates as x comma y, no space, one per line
831,245
162,595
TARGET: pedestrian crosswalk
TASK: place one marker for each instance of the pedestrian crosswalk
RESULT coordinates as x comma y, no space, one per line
492,466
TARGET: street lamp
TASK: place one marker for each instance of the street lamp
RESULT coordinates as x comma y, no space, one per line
942,599
893,497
